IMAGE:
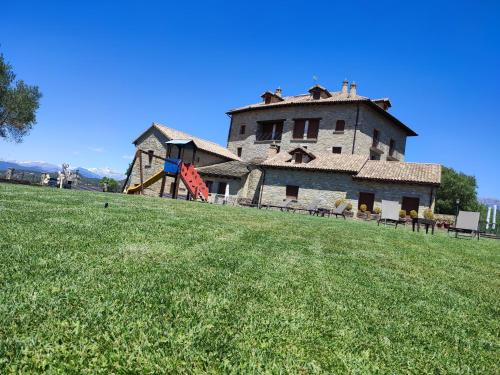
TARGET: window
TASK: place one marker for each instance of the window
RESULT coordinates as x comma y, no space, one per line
210,186
408,204
376,136
368,199
270,131
242,129
298,157
239,151
221,189
392,146
337,150
340,126
150,158
292,192
312,129
306,128
316,94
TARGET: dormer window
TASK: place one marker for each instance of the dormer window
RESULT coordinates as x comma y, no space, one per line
300,156
272,97
319,92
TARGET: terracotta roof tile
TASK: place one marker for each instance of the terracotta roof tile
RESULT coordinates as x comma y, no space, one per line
401,172
202,144
322,161
232,168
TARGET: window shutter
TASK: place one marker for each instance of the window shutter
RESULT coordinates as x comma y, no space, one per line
312,130
298,129
340,125
279,131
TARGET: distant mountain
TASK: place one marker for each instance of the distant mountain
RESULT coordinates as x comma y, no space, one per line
33,166
43,167
107,172
86,173
490,201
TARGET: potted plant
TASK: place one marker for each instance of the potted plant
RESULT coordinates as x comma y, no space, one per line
362,210
413,214
428,214
349,210
439,224
446,224
377,211
402,215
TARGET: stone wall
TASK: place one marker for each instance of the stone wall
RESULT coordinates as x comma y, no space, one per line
327,137
322,189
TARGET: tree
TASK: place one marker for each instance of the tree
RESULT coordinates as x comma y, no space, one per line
18,104
109,184
456,185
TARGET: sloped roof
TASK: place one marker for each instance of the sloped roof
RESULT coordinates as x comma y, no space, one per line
202,144
321,162
232,168
336,97
303,99
420,173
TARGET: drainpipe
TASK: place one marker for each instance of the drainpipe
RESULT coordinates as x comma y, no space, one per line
355,127
262,187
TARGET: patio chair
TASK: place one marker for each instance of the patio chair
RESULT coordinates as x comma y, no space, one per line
339,210
390,213
467,222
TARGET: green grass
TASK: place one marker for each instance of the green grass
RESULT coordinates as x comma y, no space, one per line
154,285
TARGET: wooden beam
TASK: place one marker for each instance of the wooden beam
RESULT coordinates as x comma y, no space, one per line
140,172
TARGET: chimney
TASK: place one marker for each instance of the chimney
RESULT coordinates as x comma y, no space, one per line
352,91
278,92
272,150
344,86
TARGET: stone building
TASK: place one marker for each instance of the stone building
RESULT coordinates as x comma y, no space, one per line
309,149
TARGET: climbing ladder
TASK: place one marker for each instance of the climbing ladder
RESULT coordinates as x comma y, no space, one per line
176,168
193,181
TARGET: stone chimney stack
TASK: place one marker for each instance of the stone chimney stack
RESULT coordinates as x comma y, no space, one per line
352,91
345,84
278,92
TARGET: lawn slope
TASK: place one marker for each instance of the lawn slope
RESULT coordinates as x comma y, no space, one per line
156,285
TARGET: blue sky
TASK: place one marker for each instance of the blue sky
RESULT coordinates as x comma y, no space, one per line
109,69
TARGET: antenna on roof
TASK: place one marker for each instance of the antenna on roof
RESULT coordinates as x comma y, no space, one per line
315,79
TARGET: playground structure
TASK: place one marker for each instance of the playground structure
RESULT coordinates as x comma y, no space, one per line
172,167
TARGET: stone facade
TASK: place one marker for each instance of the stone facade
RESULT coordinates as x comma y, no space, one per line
368,120
154,140
322,189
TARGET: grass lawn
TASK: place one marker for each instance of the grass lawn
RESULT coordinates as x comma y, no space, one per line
155,285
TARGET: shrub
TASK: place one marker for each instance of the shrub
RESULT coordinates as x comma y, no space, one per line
349,207
402,214
428,214
413,214
377,210
363,207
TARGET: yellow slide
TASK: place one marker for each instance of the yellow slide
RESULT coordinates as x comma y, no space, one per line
137,187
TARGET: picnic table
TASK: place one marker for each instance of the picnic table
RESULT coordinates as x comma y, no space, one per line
426,222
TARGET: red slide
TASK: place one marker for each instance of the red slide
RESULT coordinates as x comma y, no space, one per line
194,183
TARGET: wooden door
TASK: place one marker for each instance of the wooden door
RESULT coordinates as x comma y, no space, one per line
368,199
409,203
